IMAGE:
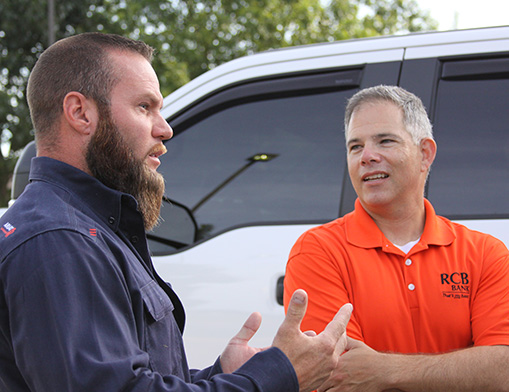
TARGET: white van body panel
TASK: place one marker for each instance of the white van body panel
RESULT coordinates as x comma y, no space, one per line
223,280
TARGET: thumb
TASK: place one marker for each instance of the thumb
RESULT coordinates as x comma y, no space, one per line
296,310
338,324
248,330
352,343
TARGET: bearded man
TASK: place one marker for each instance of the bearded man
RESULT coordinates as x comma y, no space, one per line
81,306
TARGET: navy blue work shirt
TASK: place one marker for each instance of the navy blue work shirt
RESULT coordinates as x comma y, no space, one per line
81,307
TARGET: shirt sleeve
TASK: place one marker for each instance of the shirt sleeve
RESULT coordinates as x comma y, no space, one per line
72,328
207,373
490,306
322,274
267,371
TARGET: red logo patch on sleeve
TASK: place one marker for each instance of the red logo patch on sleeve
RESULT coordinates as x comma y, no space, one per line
8,229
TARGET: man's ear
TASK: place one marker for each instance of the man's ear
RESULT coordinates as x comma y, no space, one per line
429,151
80,113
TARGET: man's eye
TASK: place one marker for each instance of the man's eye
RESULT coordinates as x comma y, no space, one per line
144,106
355,147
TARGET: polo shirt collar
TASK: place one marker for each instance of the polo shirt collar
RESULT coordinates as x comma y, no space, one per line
362,231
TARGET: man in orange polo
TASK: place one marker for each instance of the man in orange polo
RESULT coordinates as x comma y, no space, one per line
419,283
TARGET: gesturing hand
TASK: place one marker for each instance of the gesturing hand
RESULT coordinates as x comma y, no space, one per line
237,352
313,357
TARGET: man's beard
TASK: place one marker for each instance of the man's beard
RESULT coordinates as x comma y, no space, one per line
113,162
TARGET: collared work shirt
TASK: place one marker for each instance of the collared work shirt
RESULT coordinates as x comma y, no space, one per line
81,306
450,291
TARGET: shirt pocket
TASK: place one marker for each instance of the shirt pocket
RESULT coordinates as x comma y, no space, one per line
156,301
162,337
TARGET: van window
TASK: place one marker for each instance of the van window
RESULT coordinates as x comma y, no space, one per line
470,176
277,160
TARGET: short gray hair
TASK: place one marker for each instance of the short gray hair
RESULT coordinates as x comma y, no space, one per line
415,118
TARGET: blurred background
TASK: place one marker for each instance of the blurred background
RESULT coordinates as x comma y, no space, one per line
193,36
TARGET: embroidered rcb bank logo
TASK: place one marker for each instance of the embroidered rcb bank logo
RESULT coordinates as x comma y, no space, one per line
456,285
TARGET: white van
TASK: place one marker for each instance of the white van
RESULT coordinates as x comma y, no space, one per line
258,157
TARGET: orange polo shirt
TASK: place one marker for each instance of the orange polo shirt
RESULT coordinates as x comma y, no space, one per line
450,291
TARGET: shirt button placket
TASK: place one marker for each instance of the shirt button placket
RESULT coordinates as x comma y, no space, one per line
410,286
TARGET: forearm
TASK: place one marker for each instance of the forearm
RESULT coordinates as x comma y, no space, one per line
474,369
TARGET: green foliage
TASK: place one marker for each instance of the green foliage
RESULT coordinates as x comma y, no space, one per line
190,37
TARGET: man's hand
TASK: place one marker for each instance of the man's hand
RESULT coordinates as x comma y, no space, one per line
313,357
237,352
358,370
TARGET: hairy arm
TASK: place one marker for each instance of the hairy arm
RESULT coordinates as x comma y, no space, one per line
483,368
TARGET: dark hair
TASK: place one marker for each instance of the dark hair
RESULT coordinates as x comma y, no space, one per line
78,63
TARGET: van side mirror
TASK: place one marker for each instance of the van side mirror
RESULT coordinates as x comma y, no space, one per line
176,230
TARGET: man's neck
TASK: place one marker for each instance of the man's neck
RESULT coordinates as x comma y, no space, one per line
403,225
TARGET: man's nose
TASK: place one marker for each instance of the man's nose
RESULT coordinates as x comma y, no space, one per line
162,129
369,154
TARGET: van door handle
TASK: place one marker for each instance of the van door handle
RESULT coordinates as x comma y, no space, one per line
280,289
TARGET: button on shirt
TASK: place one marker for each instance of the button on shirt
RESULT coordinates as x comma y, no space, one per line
81,307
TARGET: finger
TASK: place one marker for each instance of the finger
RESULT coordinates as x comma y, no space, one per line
248,330
338,324
296,310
